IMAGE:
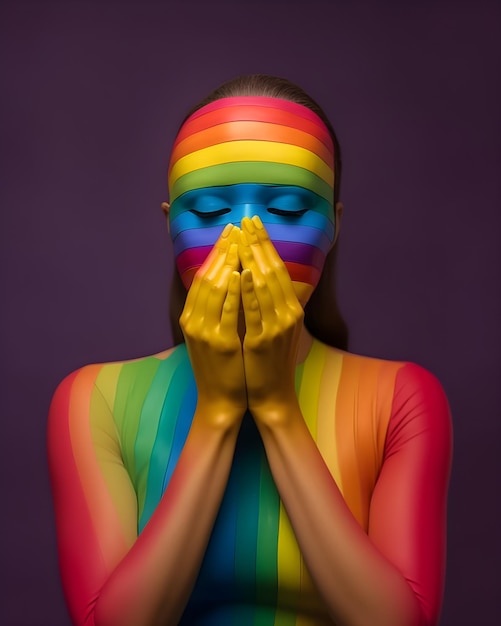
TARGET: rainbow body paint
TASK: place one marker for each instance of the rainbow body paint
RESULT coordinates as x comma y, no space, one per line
134,417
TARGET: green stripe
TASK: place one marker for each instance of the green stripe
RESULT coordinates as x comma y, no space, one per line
251,172
132,387
299,377
149,422
267,544
162,448
246,464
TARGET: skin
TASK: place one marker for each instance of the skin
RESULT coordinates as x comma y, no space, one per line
356,581
330,507
244,332
338,212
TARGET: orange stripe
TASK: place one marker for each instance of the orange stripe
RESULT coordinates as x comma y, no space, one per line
365,432
99,502
261,131
243,113
347,410
361,423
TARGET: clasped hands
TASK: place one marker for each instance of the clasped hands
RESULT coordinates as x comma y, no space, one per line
243,289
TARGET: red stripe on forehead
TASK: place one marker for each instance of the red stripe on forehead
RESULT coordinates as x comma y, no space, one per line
262,101
253,113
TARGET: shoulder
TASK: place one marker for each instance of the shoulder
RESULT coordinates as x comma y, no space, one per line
420,411
79,384
405,378
367,374
410,394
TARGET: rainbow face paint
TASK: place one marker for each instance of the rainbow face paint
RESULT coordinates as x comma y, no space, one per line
248,156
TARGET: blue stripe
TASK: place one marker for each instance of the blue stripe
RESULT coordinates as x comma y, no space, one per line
187,221
167,444
199,237
188,390
152,420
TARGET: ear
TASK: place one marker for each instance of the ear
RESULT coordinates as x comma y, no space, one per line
165,206
338,212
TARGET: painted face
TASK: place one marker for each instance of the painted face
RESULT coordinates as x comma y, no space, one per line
248,156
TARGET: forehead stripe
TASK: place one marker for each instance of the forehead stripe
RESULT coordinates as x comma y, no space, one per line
255,114
260,131
260,101
254,151
251,172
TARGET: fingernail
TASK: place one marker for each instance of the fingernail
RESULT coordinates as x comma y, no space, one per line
250,225
250,230
257,222
234,235
226,230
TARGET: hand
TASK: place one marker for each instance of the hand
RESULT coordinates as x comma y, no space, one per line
209,322
273,319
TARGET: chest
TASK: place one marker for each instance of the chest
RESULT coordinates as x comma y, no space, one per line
253,556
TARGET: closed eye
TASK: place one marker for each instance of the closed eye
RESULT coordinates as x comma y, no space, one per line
286,213
210,213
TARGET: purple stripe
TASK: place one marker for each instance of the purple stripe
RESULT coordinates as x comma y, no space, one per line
292,252
300,253
196,237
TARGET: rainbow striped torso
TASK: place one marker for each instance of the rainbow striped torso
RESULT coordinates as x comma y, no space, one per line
253,572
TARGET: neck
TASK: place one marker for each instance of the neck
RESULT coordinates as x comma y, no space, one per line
305,342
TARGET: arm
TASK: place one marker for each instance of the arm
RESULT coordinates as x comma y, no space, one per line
393,575
111,576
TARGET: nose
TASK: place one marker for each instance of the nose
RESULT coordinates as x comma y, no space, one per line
248,210
245,209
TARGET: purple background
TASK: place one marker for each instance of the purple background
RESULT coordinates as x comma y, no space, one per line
92,94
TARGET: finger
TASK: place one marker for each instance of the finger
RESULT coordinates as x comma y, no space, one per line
231,306
252,313
214,261
260,264
267,285
275,261
218,287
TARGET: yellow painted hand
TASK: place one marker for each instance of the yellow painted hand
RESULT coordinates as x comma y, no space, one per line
210,326
273,319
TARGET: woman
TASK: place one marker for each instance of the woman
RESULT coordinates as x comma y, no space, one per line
254,474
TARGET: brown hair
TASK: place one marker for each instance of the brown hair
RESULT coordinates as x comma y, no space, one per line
322,316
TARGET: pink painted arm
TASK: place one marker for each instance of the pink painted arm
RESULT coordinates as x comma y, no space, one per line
408,509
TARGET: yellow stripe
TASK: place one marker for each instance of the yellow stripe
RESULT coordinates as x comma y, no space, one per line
288,562
260,151
303,291
107,381
106,437
292,573
326,427
85,399
312,383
